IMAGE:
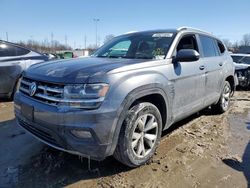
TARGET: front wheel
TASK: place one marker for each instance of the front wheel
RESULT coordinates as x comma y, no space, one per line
140,135
224,101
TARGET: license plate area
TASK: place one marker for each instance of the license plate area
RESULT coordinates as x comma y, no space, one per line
27,111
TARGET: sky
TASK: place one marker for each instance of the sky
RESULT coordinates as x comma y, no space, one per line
39,20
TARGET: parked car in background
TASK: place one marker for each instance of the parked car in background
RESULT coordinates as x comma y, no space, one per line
242,69
119,100
65,54
51,56
14,59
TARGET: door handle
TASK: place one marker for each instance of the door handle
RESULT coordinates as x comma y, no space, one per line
202,67
220,64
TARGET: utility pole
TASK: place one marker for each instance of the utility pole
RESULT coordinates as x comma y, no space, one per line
96,20
7,36
66,40
52,38
85,42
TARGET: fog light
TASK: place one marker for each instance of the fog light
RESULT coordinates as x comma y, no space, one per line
81,134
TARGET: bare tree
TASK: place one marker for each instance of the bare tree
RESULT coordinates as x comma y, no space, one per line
228,43
45,46
246,40
108,37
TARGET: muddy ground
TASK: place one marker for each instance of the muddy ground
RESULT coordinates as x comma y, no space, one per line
205,150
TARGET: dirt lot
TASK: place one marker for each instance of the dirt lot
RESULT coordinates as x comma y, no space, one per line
205,150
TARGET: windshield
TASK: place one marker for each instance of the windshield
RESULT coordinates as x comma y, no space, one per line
241,59
137,46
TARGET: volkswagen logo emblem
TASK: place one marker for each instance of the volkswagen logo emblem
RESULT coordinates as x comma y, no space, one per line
32,89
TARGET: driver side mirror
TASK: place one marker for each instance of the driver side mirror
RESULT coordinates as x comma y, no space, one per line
187,55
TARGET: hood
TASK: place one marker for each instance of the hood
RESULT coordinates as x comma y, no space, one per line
240,66
75,70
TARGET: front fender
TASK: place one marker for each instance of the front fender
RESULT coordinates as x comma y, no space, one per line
133,88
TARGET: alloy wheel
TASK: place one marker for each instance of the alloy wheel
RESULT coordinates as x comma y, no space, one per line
144,135
226,96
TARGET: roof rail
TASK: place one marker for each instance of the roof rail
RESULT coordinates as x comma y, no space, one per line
191,28
129,32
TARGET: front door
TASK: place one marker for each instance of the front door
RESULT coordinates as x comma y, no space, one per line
189,81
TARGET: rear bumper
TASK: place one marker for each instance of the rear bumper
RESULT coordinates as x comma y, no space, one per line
53,127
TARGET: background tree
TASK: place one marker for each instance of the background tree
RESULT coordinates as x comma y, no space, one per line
108,38
228,43
45,46
246,40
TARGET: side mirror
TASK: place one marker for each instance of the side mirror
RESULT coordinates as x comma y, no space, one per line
187,55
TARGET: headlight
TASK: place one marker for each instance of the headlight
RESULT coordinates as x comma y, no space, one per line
84,96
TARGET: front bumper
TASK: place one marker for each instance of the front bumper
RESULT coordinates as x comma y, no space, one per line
53,126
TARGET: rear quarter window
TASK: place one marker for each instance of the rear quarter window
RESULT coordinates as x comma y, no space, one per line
221,46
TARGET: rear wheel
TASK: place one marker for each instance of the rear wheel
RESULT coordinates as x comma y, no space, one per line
140,135
224,102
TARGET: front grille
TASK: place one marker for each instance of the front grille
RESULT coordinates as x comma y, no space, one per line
46,92
39,133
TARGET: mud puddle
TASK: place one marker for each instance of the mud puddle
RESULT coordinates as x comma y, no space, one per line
203,150
238,157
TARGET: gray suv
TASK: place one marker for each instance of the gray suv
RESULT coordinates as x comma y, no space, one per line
119,100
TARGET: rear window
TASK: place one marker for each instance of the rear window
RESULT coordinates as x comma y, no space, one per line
208,46
241,59
7,50
236,58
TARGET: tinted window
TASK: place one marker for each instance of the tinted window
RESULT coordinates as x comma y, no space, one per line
236,59
188,42
208,46
241,59
246,60
7,50
221,47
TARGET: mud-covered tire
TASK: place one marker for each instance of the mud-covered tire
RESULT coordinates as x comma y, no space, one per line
17,85
127,152
224,101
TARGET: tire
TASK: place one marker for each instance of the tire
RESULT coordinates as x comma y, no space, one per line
224,101
16,88
140,135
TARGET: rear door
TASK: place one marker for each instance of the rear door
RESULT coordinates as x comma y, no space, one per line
213,60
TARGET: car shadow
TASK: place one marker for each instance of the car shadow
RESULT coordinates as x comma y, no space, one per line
243,166
6,100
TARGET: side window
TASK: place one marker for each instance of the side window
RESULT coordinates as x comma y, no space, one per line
21,51
221,47
7,50
188,42
208,46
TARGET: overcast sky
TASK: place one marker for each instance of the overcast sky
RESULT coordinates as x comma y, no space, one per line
30,19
